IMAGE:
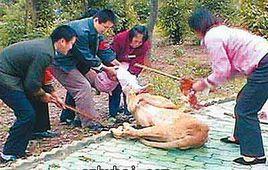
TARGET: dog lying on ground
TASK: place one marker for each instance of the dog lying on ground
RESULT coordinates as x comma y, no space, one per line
163,124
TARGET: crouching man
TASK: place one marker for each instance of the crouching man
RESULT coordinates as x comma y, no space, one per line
22,70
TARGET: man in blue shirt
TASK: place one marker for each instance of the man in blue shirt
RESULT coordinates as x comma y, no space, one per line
88,54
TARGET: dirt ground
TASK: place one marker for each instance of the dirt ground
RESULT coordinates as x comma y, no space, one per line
170,59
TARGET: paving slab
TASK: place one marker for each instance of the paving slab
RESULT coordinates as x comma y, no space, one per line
103,152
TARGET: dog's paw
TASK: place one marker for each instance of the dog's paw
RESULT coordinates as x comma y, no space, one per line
126,126
117,133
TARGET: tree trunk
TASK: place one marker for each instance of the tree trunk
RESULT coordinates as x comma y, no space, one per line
152,19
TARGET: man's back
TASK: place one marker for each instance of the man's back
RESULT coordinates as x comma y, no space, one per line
16,59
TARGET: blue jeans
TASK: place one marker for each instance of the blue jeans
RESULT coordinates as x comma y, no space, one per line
249,101
21,131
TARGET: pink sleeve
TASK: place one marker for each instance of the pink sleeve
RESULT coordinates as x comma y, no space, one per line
221,66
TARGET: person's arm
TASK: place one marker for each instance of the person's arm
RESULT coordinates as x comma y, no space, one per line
48,78
115,62
35,75
82,51
48,88
221,67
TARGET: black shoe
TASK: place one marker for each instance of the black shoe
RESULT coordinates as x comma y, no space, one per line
254,162
123,118
94,126
227,140
67,121
46,134
76,123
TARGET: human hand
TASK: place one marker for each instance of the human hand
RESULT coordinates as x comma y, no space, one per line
59,102
48,98
111,73
199,85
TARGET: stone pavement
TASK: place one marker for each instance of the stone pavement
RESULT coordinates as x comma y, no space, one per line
104,152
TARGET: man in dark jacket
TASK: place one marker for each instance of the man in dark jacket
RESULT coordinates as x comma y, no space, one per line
22,70
89,53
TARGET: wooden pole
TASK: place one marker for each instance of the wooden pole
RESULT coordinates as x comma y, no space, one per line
87,115
157,71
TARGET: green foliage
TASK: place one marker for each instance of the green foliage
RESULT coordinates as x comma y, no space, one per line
17,26
194,68
166,87
2,11
254,15
178,52
173,19
69,9
225,9
142,9
13,28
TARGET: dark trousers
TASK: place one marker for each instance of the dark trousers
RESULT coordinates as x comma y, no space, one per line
42,123
114,101
249,101
66,113
21,131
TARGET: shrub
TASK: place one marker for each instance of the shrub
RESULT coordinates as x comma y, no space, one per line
227,10
173,19
254,15
13,28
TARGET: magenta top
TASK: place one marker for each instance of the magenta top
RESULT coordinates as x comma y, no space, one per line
124,53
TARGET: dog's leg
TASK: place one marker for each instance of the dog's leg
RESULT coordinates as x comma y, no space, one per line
118,133
152,132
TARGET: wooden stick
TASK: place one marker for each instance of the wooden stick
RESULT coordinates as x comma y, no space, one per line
79,112
157,71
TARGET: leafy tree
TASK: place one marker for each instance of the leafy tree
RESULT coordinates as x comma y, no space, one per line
13,28
173,18
254,15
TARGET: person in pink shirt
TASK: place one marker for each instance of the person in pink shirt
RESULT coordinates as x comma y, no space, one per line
131,47
236,52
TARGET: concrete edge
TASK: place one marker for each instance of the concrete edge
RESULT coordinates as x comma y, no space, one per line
56,153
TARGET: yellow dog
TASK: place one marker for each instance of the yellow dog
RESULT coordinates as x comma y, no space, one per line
163,124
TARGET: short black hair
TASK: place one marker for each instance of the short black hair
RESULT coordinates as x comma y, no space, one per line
139,29
202,20
63,31
105,15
